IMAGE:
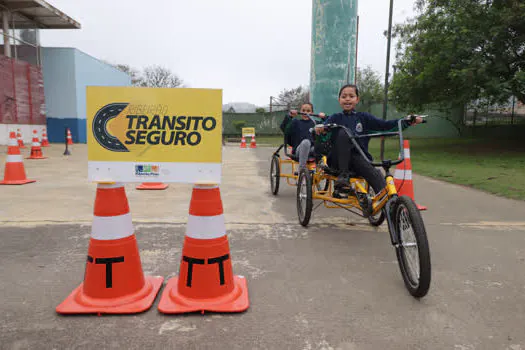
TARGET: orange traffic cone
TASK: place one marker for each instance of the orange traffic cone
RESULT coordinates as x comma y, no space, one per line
152,186
14,173
20,140
36,150
69,138
45,141
114,282
403,176
206,281
253,144
243,142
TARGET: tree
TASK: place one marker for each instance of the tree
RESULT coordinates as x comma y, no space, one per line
260,110
293,98
157,76
370,87
457,51
136,80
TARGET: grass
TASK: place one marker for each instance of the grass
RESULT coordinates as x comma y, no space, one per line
495,166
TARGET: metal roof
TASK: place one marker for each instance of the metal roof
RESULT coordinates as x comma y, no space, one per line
29,14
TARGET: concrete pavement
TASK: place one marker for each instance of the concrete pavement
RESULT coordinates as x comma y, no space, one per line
333,285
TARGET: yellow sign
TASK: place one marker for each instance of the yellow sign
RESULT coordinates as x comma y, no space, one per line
154,134
250,132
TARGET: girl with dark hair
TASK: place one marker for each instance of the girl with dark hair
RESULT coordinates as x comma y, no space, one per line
344,155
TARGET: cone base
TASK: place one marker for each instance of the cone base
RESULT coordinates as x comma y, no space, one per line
171,302
16,182
152,186
77,302
36,157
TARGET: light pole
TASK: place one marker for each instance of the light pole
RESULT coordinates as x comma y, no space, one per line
387,73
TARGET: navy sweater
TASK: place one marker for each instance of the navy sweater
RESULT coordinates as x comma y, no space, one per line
362,123
299,131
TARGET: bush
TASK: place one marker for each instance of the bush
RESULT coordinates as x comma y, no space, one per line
239,124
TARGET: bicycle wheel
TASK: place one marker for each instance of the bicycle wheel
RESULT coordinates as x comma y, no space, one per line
379,218
275,175
413,253
304,197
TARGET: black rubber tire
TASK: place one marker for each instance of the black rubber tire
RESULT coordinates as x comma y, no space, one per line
275,180
304,176
417,289
379,218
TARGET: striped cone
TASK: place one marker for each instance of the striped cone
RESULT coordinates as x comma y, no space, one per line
69,138
152,186
36,149
14,173
243,142
403,176
45,141
206,281
20,140
253,144
114,282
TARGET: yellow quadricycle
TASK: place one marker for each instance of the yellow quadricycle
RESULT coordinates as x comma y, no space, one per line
405,223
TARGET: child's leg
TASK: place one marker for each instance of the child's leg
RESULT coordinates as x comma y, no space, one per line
343,149
372,175
303,151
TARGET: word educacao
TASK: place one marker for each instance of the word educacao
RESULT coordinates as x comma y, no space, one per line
168,130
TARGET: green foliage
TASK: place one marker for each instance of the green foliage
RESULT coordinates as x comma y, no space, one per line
457,51
239,124
370,87
260,110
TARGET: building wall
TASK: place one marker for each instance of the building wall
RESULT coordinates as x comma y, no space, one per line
91,72
67,72
58,65
22,105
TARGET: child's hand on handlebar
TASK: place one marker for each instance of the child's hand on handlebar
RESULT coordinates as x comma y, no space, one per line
293,113
415,119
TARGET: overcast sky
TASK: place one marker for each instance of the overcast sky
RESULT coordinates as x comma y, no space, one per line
251,49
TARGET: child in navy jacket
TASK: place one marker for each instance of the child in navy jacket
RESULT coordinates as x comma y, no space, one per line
346,156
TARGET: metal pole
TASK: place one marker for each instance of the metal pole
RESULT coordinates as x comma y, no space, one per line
356,48
5,28
387,73
271,104
512,117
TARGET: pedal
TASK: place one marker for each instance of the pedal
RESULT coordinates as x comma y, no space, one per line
365,201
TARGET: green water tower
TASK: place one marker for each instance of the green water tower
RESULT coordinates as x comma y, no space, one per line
334,49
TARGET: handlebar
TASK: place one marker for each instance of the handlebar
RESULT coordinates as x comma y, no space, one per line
409,118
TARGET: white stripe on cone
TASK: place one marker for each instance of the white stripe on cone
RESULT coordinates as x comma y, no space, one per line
107,228
401,174
407,152
14,158
12,142
108,185
205,227
36,144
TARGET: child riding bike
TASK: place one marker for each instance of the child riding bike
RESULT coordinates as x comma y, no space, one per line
345,156
301,138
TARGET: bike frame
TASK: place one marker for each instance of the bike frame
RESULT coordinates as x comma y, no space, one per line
384,200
